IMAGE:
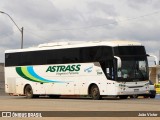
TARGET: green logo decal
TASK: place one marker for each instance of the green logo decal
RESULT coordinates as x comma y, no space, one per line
63,68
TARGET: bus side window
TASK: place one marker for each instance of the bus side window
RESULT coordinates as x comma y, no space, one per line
110,73
107,72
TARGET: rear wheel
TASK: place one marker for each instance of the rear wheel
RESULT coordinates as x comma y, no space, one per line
29,92
94,92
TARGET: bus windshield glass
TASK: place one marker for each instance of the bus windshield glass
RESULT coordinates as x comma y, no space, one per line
134,64
133,69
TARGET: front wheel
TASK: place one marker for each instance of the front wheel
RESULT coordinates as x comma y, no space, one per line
152,96
94,92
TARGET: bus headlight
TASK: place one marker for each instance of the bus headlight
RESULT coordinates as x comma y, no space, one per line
147,84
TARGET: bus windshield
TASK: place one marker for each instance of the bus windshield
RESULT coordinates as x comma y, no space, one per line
134,65
133,69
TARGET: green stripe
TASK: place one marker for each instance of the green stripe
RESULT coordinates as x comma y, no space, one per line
19,71
27,74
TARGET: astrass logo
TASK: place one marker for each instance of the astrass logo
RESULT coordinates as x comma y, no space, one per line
63,68
27,72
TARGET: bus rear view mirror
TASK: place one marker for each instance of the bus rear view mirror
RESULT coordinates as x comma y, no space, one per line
119,62
155,57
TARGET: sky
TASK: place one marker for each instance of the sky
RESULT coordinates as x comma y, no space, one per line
46,21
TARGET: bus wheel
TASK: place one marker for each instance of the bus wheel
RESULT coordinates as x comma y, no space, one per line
152,96
29,92
94,92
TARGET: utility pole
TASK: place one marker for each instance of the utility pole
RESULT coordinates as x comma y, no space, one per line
159,57
21,30
22,38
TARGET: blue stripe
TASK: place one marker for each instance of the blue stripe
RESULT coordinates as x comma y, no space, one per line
31,71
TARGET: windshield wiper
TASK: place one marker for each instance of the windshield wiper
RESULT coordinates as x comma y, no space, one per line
138,70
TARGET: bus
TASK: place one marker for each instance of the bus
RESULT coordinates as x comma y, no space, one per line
91,68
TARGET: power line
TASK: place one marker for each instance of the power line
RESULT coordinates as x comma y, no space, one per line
41,37
7,36
88,27
142,16
100,25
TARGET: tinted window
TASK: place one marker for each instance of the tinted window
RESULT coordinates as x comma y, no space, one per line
59,56
129,50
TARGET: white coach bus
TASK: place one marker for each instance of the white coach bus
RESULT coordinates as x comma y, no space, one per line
97,69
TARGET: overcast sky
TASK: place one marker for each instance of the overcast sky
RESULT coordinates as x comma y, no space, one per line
58,20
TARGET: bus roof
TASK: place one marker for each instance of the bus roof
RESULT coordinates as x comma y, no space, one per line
74,44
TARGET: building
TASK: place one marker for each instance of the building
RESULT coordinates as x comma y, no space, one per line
154,74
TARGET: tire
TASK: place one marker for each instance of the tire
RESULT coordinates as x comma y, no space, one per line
134,96
152,96
29,92
94,92
123,96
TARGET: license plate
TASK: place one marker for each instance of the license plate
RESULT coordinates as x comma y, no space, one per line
136,90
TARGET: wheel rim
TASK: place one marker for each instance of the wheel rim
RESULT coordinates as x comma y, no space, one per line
28,92
95,92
